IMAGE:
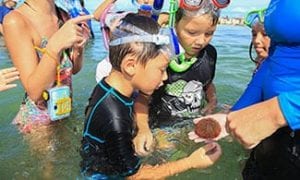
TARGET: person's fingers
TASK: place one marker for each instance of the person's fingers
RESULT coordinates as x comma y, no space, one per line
81,19
11,74
140,149
9,80
149,144
227,128
213,151
85,27
192,135
82,43
7,70
197,120
6,87
252,146
198,140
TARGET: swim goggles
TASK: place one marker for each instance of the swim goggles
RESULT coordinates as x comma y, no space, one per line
253,17
128,33
199,7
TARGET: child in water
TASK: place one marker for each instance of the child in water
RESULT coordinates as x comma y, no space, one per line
260,40
139,56
181,96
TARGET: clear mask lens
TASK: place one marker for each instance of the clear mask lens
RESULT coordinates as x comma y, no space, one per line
199,7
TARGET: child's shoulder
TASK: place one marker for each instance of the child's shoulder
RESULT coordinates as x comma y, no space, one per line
211,51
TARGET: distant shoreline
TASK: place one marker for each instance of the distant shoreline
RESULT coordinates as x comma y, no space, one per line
236,21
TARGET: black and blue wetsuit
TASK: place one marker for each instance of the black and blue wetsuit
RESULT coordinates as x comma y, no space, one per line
181,96
107,150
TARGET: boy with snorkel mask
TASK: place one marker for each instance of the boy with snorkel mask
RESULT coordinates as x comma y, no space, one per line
106,16
190,76
138,54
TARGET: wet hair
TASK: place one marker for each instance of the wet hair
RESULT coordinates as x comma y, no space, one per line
143,51
213,15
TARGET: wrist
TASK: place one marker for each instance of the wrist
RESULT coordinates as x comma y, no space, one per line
187,162
144,128
55,50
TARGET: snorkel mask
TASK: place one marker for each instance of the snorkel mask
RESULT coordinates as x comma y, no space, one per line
253,17
250,20
127,33
190,8
198,7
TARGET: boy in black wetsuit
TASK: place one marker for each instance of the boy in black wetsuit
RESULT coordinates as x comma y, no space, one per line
139,59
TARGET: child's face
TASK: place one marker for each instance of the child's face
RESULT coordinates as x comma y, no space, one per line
194,33
261,41
151,76
150,2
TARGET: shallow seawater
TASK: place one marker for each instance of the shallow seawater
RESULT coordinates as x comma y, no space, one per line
52,153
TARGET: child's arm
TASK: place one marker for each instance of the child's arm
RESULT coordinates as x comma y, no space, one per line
98,12
211,98
143,141
1,29
201,158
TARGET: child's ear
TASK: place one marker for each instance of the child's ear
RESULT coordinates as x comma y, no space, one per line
129,65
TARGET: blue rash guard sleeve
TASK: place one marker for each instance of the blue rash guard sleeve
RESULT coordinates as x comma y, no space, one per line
290,107
253,93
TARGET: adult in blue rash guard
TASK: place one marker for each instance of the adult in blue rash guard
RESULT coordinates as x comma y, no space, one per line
267,116
139,56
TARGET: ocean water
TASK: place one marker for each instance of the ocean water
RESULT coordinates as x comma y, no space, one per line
54,155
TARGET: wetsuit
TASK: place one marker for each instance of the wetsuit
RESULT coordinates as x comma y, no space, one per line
107,149
181,97
277,157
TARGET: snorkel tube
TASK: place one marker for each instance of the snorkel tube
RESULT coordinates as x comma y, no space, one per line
157,6
175,65
105,36
182,65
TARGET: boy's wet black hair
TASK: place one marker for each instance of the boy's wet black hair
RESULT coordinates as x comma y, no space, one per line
214,16
145,50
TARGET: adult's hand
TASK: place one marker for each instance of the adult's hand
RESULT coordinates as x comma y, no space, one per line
251,125
7,76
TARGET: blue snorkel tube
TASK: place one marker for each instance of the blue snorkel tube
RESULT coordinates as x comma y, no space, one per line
157,6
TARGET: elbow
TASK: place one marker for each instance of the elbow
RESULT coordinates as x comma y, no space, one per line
34,96
75,71
34,93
